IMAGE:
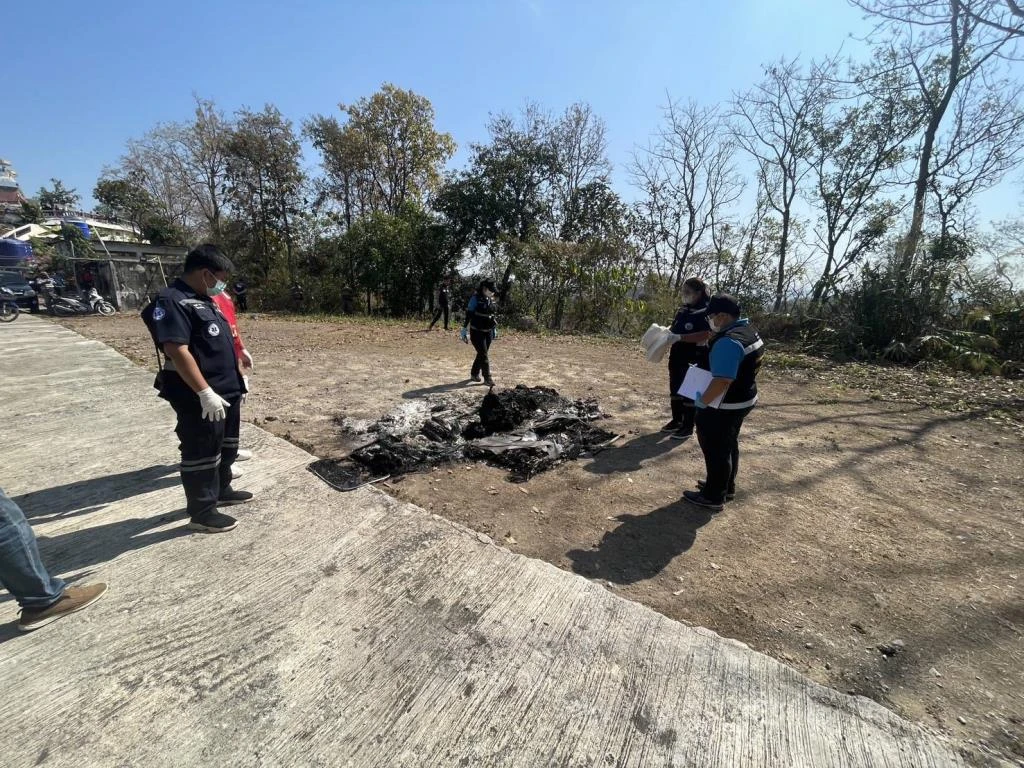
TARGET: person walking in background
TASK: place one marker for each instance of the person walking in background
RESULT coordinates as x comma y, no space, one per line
227,308
481,328
43,598
443,304
242,295
736,352
202,381
691,325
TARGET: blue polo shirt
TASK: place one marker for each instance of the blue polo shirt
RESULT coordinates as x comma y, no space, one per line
727,354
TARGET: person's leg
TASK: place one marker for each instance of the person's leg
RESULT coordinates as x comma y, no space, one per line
689,416
734,453
714,436
437,316
480,362
445,310
201,444
675,381
229,447
485,364
22,572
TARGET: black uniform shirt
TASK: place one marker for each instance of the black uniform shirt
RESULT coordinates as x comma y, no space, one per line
182,316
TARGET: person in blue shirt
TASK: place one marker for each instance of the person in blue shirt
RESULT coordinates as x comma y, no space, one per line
691,324
481,328
736,351
201,380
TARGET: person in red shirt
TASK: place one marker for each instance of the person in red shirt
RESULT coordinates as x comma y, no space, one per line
227,308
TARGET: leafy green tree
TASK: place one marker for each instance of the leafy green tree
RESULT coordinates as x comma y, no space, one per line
265,185
58,200
386,153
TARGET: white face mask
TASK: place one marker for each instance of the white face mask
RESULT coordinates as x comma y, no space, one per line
713,325
218,286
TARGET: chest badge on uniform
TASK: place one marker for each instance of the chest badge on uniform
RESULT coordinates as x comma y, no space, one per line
689,326
159,313
213,329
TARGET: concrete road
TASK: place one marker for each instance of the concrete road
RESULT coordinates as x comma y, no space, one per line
334,629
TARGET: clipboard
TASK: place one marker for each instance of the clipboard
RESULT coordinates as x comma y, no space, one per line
698,380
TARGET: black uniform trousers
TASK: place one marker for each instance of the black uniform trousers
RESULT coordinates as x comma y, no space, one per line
208,449
481,343
680,356
718,433
441,310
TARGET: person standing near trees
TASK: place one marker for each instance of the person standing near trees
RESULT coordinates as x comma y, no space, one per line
481,328
227,308
691,325
443,304
736,351
202,382
242,295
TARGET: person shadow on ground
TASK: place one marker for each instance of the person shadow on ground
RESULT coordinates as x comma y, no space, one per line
630,456
643,545
84,496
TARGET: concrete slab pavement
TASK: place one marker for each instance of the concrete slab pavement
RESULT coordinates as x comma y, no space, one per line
351,629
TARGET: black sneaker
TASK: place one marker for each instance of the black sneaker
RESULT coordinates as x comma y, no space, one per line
229,497
672,426
477,379
213,522
699,500
682,434
729,495
489,382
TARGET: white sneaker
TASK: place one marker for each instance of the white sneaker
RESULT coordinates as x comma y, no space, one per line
235,472
243,454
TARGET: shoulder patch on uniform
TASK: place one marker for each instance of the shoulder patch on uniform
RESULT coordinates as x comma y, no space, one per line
213,329
159,313
689,326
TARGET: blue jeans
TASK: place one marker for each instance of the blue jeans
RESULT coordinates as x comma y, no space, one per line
21,570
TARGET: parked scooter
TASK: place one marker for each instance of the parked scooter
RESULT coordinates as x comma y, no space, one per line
89,304
9,309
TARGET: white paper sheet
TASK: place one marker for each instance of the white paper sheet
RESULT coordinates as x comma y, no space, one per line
698,380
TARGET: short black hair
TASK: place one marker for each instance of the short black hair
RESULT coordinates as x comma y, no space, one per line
723,302
207,256
489,285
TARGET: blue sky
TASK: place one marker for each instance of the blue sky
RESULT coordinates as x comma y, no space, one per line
88,76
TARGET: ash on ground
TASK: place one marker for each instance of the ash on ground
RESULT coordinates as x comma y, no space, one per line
526,430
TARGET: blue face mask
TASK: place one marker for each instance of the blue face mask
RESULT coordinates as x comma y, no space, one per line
218,288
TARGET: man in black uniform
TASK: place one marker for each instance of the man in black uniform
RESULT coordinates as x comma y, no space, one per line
736,350
442,305
201,381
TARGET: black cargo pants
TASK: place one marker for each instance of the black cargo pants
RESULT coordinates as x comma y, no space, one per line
208,449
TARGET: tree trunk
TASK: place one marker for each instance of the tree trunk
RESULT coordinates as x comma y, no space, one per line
913,238
783,245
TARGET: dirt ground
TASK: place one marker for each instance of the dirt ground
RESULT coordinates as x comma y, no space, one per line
874,505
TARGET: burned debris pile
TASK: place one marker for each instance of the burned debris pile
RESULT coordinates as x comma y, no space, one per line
526,430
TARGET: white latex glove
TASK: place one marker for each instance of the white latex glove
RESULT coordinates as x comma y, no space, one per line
246,359
214,406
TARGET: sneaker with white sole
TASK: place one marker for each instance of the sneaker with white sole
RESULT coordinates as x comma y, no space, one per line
236,472
244,454
73,599
213,522
230,497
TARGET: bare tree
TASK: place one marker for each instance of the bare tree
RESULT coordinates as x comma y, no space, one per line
688,179
944,45
581,147
1002,15
984,142
774,124
860,144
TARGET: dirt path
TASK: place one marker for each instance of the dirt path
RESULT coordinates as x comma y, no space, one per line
863,517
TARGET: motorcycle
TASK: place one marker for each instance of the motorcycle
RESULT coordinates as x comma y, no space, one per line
9,309
89,304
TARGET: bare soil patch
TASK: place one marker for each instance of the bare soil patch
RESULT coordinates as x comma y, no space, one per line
875,504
